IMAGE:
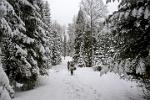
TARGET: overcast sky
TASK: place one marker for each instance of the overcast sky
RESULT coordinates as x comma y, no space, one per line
64,10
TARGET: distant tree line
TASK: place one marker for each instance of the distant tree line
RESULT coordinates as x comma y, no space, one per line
85,29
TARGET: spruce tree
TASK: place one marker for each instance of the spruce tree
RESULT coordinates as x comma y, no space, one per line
14,61
56,49
65,45
24,42
6,91
71,35
130,27
46,18
89,46
104,50
95,12
79,31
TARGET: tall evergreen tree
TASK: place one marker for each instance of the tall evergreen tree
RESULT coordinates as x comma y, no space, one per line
95,10
104,51
14,61
130,27
71,35
27,40
24,42
46,18
65,45
6,91
56,51
89,46
79,31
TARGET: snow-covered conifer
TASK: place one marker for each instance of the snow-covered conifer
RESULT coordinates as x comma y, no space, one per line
56,49
130,27
79,33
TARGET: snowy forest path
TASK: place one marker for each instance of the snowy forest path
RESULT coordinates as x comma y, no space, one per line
85,84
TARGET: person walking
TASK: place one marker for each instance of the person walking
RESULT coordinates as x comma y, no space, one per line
71,67
68,65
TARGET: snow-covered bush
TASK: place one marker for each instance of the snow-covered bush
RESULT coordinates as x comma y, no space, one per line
6,91
4,95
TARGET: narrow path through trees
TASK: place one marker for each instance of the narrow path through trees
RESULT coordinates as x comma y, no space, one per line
84,85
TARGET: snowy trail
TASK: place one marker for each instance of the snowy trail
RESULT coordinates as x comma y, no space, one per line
84,85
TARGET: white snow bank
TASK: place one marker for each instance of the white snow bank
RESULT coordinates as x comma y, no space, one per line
85,84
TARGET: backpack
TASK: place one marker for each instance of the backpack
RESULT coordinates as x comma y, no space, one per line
71,66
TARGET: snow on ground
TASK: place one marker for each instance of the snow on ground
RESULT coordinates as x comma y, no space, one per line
84,85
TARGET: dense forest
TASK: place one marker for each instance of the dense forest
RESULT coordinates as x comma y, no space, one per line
31,42
118,43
